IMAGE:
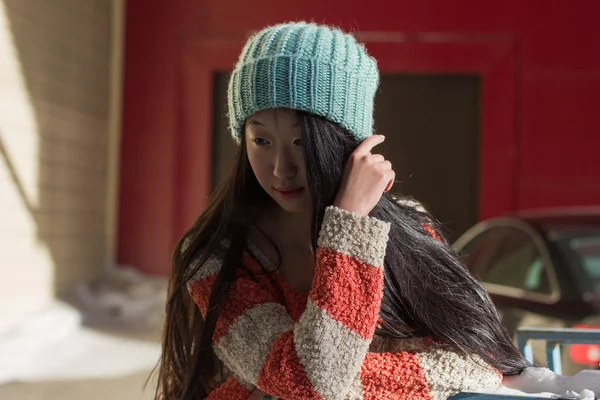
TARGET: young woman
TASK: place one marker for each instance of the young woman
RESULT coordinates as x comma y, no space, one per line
304,278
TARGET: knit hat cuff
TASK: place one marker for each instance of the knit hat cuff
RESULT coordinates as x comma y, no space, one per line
292,82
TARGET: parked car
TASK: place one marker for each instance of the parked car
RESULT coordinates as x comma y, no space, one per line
542,269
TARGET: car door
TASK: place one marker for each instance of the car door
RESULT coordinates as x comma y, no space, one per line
519,276
514,266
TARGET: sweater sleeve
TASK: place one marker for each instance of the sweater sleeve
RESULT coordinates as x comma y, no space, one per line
231,389
320,356
422,369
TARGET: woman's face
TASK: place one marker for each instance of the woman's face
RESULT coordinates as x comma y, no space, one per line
273,140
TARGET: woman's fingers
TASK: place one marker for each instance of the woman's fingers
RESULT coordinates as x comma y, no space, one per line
367,145
376,158
366,177
391,182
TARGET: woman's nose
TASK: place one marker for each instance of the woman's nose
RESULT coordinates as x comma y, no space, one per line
284,167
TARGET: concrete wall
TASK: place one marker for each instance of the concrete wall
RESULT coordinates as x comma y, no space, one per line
54,122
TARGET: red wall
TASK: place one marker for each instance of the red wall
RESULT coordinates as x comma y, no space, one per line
148,149
544,143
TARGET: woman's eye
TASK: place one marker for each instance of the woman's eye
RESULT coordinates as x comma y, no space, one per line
260,141
298,142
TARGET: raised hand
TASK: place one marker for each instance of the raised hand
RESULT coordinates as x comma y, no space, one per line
366,177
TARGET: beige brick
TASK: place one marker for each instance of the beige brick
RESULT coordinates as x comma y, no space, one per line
54,102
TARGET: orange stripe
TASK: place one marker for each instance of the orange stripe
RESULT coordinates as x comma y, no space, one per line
231,389
200,292
283,375
394,376
348,290
431,232
243,295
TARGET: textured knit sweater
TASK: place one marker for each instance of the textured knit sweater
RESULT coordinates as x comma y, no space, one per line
320,345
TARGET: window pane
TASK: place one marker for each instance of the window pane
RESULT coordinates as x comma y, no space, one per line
579,246
475,253
587,250
517,263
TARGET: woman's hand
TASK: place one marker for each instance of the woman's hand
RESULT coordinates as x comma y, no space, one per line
366,177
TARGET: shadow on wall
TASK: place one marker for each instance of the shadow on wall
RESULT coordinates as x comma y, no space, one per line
53,138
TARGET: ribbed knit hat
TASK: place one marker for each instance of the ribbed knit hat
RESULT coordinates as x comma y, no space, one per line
307,67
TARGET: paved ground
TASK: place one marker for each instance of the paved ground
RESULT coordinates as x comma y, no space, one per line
124,388
55,357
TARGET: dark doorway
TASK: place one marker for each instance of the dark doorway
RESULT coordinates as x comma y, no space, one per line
431,124
224,147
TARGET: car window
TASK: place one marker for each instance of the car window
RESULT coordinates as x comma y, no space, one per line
588,250
579,246
476,251
517,263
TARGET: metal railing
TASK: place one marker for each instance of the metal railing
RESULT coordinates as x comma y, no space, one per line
480,396
555,338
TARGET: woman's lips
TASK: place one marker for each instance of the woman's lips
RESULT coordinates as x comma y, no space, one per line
286,193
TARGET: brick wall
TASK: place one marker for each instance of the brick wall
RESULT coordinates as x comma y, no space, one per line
54,107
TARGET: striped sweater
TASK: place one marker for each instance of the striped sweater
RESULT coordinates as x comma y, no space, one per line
320,345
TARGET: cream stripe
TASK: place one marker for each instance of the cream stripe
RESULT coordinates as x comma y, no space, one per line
356,390
363,238
448,373
210,267
330,352
245,384
245,347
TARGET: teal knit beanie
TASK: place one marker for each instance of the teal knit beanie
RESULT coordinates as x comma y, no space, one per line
307,67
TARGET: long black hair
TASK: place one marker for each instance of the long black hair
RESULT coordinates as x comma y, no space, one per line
427,289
